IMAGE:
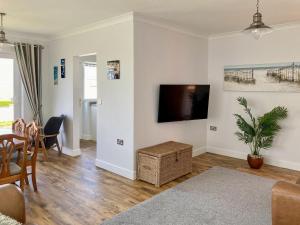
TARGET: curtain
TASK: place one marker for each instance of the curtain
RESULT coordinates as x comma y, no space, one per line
29,62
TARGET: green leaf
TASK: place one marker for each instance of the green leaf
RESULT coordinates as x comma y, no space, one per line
266,142
260,134
243,102
248,131
244,137
268,123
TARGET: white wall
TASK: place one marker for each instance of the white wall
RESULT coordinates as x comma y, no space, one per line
280,46
113,41
129,105
166,56
150,55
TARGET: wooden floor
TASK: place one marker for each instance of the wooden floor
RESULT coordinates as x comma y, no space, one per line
73,191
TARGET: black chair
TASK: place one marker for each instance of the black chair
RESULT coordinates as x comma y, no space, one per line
48,136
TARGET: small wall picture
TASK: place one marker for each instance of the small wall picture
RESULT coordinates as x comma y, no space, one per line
113,70
275,77
55,75
62,68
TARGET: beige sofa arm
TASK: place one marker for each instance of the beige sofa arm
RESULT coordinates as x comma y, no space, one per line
285,204
12,202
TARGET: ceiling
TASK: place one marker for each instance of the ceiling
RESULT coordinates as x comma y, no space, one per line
207,17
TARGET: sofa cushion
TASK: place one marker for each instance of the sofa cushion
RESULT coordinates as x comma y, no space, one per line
8,221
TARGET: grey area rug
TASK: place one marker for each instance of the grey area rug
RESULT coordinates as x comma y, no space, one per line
219,196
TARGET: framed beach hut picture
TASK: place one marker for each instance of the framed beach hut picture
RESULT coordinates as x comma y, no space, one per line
113,70
278,77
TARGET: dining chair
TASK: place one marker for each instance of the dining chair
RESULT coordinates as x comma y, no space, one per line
32,134
19,126
48,134
10,171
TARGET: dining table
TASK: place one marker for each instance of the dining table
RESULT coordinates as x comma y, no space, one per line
8,131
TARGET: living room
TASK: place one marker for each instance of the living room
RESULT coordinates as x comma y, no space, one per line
143,47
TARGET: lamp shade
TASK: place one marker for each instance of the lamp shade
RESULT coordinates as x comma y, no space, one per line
257,27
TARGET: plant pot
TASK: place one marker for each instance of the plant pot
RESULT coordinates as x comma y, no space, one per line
255,161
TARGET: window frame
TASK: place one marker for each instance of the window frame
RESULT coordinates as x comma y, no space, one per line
84,64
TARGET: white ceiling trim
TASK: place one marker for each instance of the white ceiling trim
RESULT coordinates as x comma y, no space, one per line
94,26
132,16
28,37
168,26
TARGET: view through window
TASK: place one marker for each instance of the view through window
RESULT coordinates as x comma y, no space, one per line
90,81
6,92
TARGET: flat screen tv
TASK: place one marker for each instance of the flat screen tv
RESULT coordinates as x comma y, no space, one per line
182,102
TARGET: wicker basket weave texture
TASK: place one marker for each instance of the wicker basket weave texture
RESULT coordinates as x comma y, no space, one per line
165,162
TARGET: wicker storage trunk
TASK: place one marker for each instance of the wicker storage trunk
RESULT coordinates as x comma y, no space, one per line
165,162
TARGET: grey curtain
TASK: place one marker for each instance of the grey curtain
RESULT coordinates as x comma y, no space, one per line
29,61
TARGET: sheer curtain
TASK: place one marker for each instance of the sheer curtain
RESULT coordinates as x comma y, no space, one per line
29,61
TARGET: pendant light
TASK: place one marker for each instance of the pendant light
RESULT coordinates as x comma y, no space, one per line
258,28
4,43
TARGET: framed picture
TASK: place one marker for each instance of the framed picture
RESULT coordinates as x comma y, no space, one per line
113,70
55,75
62,68
276,77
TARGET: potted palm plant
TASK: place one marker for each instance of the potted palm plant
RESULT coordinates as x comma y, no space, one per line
258,132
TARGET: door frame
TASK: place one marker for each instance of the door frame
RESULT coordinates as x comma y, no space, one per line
78,94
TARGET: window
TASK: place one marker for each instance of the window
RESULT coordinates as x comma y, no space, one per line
90,81
6,92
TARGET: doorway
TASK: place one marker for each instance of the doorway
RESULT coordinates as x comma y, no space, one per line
10,91
88,102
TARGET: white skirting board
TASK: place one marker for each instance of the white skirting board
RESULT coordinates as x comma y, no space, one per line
88,137
243,155
130,174
199,151
69,151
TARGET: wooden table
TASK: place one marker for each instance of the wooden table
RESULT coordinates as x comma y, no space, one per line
8,131
18,143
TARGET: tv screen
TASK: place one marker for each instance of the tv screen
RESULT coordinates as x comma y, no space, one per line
182,102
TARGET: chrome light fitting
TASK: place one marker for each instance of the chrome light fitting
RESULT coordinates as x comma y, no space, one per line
3,41
258,28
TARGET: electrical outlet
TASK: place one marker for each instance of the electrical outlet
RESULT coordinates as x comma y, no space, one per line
120,141
213,128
